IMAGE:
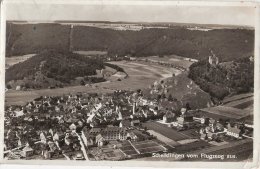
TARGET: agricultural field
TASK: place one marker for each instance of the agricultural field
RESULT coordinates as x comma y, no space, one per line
198,145
140,76
226,112
166,131
177,61
128,149
234,107
243,101
148,146
141,147
241,104
10,61
14,97
91,53
114,26
140,70
242,149
237,97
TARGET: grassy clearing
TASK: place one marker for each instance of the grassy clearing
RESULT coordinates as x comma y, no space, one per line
91,53
10,61
237,97
171,59
226,112
13,97
139,76
241,104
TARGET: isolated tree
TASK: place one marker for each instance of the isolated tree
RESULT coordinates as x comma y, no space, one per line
170,98
159,97
188,106
8,86
163,96
82,83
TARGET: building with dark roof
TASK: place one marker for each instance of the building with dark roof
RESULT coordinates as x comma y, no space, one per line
114,133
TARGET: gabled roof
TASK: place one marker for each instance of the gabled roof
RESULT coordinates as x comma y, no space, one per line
113,129
95,130
126,123
135,121
98,137
234,129
27,148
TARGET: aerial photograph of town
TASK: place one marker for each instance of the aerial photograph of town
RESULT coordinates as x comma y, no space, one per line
119,90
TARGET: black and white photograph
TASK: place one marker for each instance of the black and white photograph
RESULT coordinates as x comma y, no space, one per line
129,82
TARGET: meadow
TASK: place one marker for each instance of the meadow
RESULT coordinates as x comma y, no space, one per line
140,76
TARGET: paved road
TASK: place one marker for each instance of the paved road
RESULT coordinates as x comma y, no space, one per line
67,157
83,147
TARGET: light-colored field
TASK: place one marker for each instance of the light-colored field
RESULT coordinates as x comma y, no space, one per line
139,76
241,104
237,97
91,52
139,70
116,26
171,59
228,112
10,61
13,97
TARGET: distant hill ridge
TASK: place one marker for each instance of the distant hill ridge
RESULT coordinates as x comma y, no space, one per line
228,44
139,23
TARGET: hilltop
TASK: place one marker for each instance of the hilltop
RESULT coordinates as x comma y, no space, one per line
180,88
226,78
32,38
50,69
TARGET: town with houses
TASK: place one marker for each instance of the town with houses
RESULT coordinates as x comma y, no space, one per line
121,92
119,126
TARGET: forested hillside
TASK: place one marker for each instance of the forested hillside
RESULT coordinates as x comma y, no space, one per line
226,78
228,44
33,38
51,68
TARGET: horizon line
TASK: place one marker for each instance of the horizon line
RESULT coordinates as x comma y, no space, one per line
107,21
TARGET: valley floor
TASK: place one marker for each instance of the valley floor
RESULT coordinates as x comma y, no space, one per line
140,76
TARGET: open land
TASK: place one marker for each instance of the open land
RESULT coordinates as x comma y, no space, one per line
10,61
86,121
171,59
237,97
141,147
242,149
166,131
235,107
140,75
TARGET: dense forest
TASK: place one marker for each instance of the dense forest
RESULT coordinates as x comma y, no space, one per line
32,38
225,78
52,68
